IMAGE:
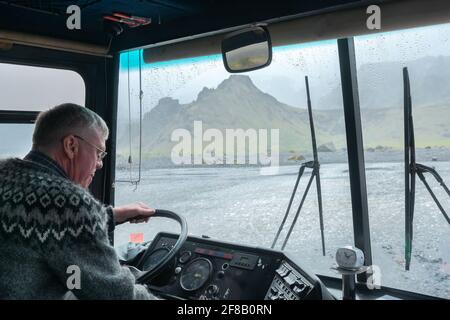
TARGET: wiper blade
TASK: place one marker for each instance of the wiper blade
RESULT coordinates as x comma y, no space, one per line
409,164
411,169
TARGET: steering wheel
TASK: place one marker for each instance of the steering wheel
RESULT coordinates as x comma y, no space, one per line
156,270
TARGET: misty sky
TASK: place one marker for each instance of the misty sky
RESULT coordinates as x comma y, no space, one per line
284,78
33,88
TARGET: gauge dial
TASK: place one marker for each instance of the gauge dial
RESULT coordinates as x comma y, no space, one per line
155,257
196,274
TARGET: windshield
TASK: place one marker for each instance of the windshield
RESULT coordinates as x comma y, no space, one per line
380,59
224,150
235,185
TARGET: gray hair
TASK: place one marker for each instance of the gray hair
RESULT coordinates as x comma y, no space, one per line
54,124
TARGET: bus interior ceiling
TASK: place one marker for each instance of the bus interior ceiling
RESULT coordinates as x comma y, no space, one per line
170,19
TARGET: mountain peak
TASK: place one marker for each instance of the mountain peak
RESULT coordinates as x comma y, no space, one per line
204,93
166,106
235,85
168,101
237,80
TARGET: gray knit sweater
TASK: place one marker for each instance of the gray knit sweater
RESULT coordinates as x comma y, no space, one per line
47,225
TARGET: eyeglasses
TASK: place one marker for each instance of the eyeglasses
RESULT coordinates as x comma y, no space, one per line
101,154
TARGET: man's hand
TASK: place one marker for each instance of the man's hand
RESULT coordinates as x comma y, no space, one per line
135,213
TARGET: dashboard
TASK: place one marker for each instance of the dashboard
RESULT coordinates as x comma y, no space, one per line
206,269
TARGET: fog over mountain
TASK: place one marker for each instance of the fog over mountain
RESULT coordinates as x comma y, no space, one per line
237,103
381,84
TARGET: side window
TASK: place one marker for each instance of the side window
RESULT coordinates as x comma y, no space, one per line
16,139
26,88
380,60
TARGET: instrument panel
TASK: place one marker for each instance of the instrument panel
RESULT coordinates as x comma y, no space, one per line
205,269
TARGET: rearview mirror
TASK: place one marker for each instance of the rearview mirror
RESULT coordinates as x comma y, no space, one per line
247,50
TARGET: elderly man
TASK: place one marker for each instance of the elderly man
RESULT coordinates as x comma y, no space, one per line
51,226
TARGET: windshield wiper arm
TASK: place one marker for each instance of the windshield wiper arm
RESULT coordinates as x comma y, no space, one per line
420,170
316,170
315,165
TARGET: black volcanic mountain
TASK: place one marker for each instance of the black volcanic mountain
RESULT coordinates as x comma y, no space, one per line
235,104
238,104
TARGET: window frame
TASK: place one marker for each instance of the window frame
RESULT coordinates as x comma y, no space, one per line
355,150
18,117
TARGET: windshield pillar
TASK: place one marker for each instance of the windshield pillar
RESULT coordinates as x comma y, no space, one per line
355,150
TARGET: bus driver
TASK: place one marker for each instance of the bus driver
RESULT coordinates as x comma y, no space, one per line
49,222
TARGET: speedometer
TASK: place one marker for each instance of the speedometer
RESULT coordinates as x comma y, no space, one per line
195,274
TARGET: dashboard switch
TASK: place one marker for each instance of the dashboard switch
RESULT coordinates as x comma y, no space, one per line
283,272
213,290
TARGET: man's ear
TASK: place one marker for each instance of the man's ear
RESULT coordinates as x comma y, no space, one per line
70,146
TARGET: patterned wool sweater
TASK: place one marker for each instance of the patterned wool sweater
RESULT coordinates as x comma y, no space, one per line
47,224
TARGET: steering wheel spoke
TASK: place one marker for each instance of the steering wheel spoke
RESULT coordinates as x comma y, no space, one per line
148,275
